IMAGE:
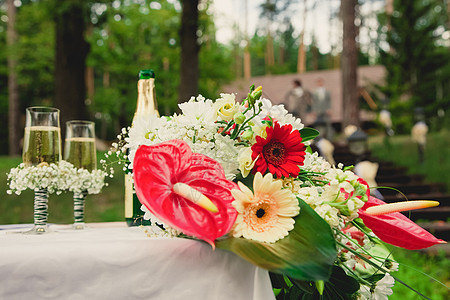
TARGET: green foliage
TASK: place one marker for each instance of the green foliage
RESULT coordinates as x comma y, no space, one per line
308,134
428,274
3,82
215,60
417,62
131,37
403,151
125,37
35,53
339,286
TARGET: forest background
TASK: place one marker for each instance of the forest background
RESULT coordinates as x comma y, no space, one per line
83,56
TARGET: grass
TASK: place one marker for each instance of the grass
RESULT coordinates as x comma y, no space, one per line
429,275
108,206
414,265
403,151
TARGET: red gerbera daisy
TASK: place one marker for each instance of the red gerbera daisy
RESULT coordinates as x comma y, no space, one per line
282,152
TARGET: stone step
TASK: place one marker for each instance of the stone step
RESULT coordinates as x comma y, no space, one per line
439,229
442,198
433,213
398,178
391,170
412,188
437,249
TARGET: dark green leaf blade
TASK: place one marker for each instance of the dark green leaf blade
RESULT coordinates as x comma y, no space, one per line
307,253
308,133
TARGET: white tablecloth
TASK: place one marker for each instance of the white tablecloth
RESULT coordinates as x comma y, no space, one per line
117,262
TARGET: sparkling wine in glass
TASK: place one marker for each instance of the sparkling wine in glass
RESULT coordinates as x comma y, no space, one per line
80,151
42,146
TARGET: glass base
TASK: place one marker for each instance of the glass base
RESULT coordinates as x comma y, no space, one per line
38,229
78,226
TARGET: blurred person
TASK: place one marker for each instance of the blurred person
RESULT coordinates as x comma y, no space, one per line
297,100
321,106
385,120
326,150
367,170
349,130
419,135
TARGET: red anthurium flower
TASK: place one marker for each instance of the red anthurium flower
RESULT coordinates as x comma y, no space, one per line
186,190
396,229
282,152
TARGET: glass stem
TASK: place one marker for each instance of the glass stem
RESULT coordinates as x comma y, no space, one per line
40,207
78,206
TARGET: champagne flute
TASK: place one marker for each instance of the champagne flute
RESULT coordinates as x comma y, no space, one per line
80,151
42,146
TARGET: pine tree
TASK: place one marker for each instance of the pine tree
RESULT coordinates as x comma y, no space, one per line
417,65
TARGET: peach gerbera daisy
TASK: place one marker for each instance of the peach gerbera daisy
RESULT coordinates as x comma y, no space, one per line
265,215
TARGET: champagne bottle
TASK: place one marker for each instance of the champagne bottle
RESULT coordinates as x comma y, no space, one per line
146,106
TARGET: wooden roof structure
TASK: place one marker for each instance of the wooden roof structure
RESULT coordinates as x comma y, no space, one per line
275,87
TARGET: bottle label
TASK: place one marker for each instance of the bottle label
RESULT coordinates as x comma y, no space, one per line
128,196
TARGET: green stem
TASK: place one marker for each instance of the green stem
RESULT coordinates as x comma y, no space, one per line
249,119
381,269
363,258
371,238
235,132
362,280
227,127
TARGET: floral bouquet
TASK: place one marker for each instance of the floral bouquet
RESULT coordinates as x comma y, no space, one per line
241,176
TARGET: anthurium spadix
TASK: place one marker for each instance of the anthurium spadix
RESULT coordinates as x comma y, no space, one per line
394,228
186,190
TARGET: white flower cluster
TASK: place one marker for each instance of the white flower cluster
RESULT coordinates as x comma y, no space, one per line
154,230
56,178
83,180
338,201
279,113
379,290
197,126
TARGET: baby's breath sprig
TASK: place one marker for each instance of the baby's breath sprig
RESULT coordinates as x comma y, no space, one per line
55,178
117,154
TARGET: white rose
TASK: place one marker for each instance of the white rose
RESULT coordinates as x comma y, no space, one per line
226,106
245,161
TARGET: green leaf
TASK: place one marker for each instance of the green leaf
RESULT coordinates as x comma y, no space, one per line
340,286
342,282
305,286
308,133
307,253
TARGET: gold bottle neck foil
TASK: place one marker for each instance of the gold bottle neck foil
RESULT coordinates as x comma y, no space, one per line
146,101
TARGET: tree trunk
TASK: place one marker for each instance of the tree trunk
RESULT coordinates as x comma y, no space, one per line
90,73
349,64
189,50
90,84
247,63
270,56
13,90
301,60
70,64
247,57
